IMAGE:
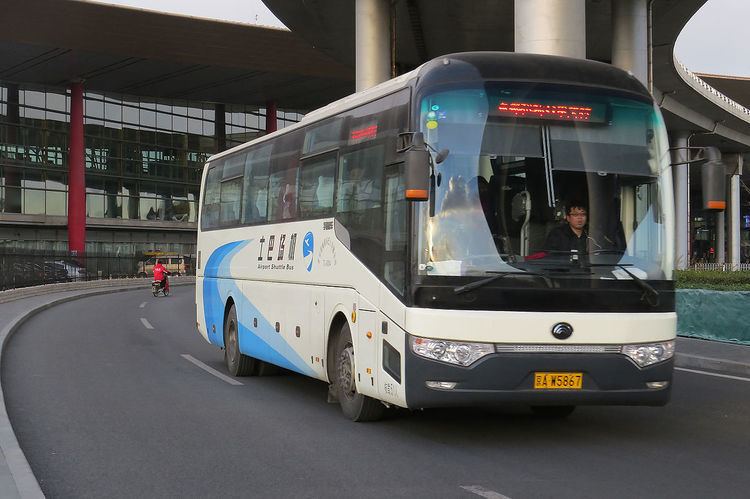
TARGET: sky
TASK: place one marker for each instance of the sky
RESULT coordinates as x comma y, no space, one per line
712,42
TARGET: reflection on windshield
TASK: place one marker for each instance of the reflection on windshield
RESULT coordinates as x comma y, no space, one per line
518,195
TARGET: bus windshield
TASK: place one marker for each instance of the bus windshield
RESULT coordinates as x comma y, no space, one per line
543,179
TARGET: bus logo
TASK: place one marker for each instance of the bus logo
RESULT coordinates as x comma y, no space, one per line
308,246
562,330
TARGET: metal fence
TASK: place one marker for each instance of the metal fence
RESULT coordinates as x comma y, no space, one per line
33,268
723,267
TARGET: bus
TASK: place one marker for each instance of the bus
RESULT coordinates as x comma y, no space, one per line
395,243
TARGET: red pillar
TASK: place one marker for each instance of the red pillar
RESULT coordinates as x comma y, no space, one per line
271,125
76,175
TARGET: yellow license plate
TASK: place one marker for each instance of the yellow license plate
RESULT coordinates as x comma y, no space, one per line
558,381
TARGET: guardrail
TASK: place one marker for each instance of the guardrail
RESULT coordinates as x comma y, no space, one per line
723,267
718,98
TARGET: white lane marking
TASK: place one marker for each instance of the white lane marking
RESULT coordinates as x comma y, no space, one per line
712,374
481,491
146,323
142,305
210,370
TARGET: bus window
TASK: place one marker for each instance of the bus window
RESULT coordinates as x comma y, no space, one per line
255,191
282,181
211,197
359,189
316,186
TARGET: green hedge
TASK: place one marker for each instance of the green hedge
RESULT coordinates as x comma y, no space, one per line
713,279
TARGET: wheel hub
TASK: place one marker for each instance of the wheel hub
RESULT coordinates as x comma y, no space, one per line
346,371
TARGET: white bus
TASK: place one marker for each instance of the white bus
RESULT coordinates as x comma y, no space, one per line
414,245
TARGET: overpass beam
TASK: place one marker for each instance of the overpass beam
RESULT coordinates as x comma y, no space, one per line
553,27
681,180
373,44
630,37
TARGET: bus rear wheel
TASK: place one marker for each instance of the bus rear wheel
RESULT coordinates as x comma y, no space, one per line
238,364
354,405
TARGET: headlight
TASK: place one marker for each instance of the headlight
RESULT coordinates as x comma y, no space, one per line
452,352
650,353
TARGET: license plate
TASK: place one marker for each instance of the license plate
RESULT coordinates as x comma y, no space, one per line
558,381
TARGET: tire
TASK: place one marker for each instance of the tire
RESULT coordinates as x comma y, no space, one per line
165,291
355,406
154,291
238,364
553,411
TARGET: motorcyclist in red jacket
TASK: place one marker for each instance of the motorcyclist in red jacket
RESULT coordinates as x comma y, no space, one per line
160,274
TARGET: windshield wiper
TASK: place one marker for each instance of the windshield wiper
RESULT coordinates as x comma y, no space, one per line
650,295
483,282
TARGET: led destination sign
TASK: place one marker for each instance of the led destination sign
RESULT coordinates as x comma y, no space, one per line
543,111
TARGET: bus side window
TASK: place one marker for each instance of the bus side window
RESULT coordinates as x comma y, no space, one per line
255,191
212,197
316,186
282,181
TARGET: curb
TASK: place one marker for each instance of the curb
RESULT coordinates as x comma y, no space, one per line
711,364
20,470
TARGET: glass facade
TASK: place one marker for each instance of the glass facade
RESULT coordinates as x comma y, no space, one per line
143,157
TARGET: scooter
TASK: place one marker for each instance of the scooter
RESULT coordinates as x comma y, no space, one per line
156,287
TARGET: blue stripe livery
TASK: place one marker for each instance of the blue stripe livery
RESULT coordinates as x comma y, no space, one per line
262,342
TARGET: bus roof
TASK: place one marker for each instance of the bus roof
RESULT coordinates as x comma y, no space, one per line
488,64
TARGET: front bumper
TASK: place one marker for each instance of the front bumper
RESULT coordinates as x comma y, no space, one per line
503,378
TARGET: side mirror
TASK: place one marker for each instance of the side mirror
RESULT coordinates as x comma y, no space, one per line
417,166
713,180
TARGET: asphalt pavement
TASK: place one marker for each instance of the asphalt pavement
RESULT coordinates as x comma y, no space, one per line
18,480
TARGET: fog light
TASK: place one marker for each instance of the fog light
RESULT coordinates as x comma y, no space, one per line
441,385
657,384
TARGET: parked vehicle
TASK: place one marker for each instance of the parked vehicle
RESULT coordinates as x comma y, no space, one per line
175,265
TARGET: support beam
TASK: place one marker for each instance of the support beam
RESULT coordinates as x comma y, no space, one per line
76,175
630,37
220,127
554,27
734,169
720,239
373,44
271,119
681,180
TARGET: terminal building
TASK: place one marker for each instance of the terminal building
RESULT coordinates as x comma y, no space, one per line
106,120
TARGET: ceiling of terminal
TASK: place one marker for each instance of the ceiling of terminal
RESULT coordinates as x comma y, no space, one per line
137,52
142,53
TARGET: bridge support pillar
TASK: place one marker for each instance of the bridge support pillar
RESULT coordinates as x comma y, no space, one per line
554,27
681,180
734,169
630,37
373,44
720,238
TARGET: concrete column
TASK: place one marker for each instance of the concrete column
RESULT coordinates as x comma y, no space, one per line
681,180
220,127
76,175
271,119
720,239
554,27
630,37
373,42
734,168
13,174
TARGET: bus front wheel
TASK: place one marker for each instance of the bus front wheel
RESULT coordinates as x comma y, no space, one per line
238,364
355,406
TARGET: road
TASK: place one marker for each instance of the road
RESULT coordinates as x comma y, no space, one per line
110,397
